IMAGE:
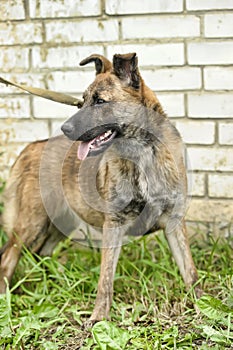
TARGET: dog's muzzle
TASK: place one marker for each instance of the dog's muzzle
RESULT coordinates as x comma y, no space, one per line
93,141
69,130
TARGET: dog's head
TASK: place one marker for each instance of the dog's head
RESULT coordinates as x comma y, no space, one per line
114,101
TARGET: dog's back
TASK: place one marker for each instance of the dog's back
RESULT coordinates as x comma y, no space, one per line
22,188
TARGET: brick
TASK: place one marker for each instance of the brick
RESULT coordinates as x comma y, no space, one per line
4,173
89,30
14,59
160,27
210,105
196,184
12,10
220,186
198,230
173,104
74,82
210,52
213,159
27,79
216,78
43,108
65,8
173,79
218,25
114,7
195,132
8,156
210,210
60,57
209,4
20,33
26,131
15,107
56,127
226,133
152,55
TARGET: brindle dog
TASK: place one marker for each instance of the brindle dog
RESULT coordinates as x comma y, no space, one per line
120,171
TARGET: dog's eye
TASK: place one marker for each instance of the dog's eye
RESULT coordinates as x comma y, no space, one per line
99,101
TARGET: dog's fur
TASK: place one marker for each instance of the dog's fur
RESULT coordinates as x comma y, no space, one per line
134,183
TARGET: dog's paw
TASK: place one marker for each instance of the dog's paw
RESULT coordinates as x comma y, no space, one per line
88,324
198,292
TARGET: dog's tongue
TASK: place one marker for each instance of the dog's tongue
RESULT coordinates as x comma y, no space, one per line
83,149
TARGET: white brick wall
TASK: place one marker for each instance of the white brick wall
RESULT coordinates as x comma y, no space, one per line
216,78
218,25
211,211
14,11
48,109
14,59
14,107
70,81
185,78
20,33
173,104
226,133
67,8
192,132
211,159
36,79
196,184
220,186
56,127
9,155
168,54
26,131
185,51
89,30
160,27
210,105
60,57
209,4
114,7
213,52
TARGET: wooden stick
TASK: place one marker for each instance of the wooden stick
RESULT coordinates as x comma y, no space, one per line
49,94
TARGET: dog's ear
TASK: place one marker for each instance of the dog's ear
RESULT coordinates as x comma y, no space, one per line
102,64
126,68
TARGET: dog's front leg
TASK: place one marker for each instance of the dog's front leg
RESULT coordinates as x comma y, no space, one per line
111,246
178,241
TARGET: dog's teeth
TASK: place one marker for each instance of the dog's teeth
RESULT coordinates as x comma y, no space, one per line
107,133
100,139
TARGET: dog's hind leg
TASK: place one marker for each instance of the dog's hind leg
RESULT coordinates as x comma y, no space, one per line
111,247
55,236
30,232
8,261
176,235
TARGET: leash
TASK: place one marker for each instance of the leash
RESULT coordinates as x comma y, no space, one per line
48,94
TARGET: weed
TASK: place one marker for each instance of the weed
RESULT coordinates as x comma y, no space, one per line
50,298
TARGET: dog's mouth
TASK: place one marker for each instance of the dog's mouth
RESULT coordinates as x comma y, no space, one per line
97,144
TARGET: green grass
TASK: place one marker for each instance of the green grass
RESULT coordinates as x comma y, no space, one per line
51,297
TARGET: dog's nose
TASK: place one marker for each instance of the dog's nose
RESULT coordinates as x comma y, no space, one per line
67,128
